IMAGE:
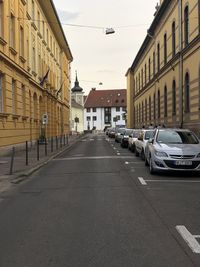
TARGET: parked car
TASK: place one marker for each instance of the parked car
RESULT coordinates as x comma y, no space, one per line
119,134
173,149
132,138
111,132
140,143
125,137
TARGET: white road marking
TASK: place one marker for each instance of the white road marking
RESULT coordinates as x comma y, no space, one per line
189,238
174,181
142,181
118,153
97,157
126,162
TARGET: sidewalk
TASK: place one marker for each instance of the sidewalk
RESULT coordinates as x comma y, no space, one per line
19,171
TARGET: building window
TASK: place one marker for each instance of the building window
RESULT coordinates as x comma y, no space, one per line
38,21
1,92
107,115
174,98
165,102
139,113
158,104
1,18
124,109
173,38
88,118
145,111
21,45
142,78
149,69
13,96
145,74
187,93
117,109
154,64
149,108
154,106
165,48
47,35
23,100
139,81
33,59
88,109
94,118
186,25
142,112
12,30
94,109
43,30
33,10
158,57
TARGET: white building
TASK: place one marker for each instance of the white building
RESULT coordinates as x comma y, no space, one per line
77,108
105,108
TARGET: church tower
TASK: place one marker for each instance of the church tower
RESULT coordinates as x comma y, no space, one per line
77,92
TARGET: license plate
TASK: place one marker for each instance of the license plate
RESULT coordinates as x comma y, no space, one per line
183,162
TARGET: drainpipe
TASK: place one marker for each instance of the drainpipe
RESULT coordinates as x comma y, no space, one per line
181,104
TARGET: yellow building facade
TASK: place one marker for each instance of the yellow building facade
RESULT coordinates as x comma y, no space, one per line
163,83
34,72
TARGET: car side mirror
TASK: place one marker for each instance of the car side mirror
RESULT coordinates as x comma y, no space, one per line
150,141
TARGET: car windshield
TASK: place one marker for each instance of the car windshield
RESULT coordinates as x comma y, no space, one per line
128,132
148,134
176,137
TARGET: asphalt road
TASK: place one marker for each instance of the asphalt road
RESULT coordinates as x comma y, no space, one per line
97,205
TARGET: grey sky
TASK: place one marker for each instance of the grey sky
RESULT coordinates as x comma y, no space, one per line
99,57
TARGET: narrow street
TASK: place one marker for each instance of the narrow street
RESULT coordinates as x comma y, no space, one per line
97,205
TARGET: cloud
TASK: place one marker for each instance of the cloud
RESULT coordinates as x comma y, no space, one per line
65,16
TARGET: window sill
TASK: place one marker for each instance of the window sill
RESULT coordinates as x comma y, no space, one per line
34,73
2,41
28,16
24,118
23,60
40,35
44,42
4,115
23,2
34,26
15,117
13,51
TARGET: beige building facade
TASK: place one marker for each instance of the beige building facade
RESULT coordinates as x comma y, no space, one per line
163,83
34,72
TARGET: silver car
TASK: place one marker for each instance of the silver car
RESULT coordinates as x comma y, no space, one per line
173,149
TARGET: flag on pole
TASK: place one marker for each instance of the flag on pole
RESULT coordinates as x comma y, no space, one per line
44,78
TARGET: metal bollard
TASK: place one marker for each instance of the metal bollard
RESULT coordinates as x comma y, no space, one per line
38,150
26,153
45,145
12,160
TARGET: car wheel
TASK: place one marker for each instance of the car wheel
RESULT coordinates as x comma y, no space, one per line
136,152
151,168
142,155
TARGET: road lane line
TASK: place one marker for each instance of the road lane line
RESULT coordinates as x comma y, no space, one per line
142,181
174,181
189,238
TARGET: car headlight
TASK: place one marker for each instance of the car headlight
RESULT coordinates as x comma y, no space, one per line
161,154
198,156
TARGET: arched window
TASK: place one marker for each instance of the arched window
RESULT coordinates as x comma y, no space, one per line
1,93
165,102
35,106
173,38
158,57
149,109
145,111
158,104
187,93
186,25
149,69
174,98
165,48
